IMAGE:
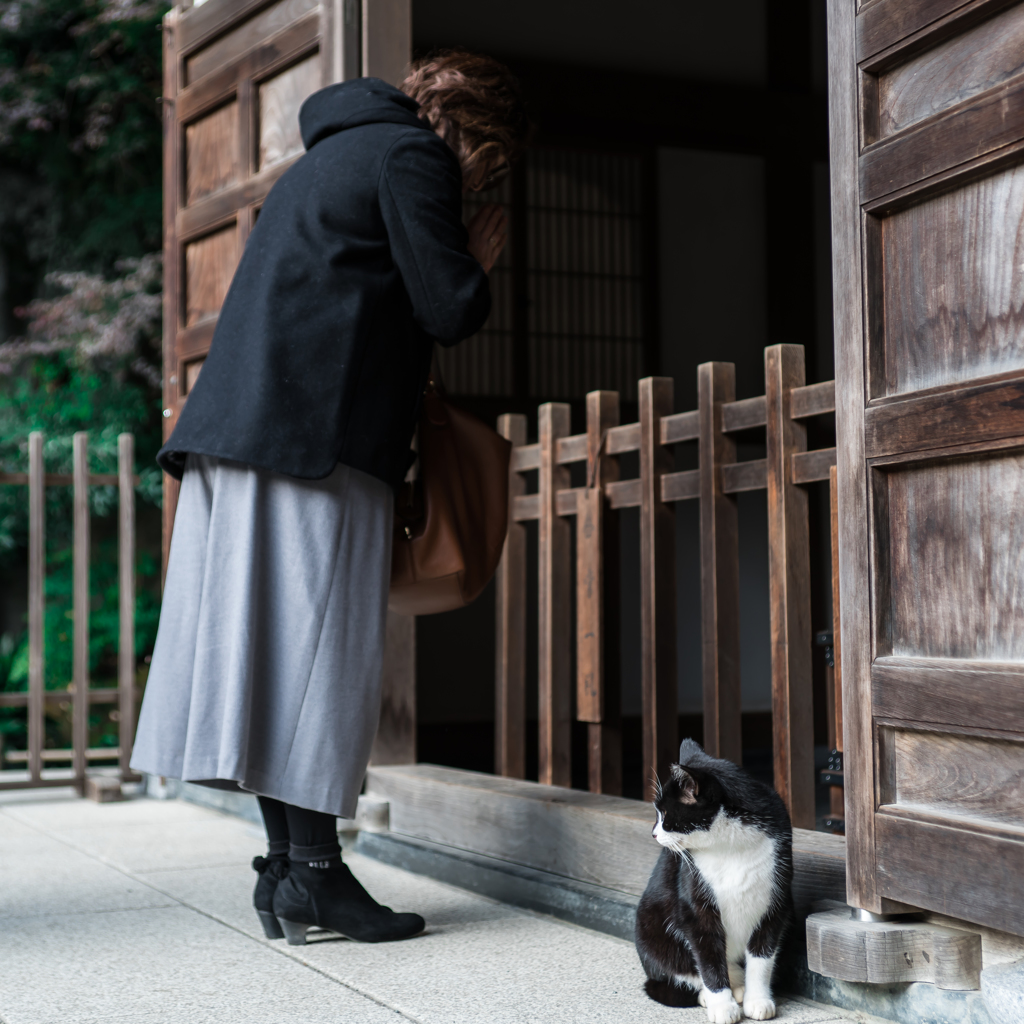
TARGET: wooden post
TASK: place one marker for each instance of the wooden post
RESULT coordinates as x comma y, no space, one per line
80,650
395,742
719,568
598,699
837,793
510,626
36,604
657,589
554,597
790,589
126,589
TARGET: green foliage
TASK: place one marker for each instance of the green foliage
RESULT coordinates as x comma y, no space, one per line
80,133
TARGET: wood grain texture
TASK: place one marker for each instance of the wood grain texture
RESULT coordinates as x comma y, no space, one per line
892,952
387,39
951,418
971,876
624,439
834,673
209,266
745,476
554,604
126,601
813,400
971,134
880,25
211,153
525,507
810,467
598,697
681,485
279,100
624,493
604,840
954,285
952,72
848,319
244,37
944,691
790,590
719,568
657,589
395,741
680,426
80,609
978,780
744,415
36,603
956,559
571,449
525,458
510,624
191,373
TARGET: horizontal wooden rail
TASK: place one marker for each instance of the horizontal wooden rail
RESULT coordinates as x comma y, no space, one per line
98,696
744,415
571,449
525,458
812,400
67,479
681,426
810,467
623,439
92,754
745,476
680,486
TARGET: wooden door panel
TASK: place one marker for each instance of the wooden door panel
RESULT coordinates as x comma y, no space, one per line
952,72
279,100
955,562
927,120
974,781
952,871
986,696
209,266
275,18
953,283
212,152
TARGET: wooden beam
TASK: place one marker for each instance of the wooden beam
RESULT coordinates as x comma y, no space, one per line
126,596
790,589
719,568
836,796
657,589
510,624
554,604
80,612
598,700
36,603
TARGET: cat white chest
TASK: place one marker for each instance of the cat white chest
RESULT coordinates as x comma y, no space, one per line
737,862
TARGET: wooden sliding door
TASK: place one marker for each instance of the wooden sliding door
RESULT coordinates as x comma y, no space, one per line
927,124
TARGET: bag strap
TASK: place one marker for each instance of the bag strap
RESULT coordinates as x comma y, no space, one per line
596,461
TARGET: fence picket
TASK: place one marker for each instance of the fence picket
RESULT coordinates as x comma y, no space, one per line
36,604
80,640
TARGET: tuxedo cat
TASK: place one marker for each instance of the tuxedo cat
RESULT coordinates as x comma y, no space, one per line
719,897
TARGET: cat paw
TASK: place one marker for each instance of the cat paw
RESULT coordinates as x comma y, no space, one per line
759,1009
720,1006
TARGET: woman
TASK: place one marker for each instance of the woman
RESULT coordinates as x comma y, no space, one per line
266,670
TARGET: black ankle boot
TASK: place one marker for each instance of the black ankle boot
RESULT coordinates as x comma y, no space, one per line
332,898
272,871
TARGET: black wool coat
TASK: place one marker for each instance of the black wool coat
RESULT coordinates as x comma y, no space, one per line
356,265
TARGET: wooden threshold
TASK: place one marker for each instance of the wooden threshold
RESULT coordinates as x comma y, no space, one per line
586,838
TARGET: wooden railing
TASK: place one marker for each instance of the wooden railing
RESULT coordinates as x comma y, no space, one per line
78,691
788,466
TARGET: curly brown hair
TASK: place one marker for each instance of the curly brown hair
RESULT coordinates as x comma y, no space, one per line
473,102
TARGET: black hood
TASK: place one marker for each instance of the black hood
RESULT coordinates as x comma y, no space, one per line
353,103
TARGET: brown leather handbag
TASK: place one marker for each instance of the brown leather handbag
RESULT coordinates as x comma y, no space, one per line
450,522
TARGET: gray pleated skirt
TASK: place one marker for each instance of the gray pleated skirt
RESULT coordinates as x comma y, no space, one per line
267,665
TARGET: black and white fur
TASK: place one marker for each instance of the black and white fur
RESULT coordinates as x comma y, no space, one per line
712,918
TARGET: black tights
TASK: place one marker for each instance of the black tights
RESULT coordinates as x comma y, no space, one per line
298,833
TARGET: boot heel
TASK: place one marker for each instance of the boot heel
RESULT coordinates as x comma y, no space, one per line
271,927
294,932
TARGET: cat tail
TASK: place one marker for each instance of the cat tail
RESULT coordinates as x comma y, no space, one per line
667,994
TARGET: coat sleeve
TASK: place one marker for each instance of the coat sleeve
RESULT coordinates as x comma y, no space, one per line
421,202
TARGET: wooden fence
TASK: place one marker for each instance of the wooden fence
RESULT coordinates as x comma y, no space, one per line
81,696
787,403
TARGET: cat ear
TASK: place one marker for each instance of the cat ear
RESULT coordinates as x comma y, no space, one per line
688,788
